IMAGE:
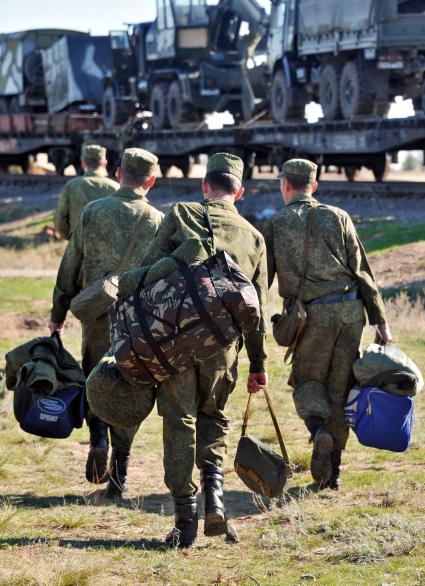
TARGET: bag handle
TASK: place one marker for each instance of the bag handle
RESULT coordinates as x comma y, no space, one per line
275,423
133,240
306,249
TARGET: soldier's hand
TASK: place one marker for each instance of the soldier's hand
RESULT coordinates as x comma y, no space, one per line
56,327
383,334
256,381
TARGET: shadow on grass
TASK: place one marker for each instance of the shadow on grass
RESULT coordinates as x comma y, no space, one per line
31,501
108,544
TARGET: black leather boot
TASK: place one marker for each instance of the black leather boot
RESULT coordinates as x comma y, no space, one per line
117,473
185,530
97,459
215,523
321,465
335,482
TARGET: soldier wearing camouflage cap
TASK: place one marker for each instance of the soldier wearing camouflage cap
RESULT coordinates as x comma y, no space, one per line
98,243
339,286
79,191
192,403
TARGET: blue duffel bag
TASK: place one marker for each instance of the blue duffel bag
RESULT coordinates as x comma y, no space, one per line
54,415
380,419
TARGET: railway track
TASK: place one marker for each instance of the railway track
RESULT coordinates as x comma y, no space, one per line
360,189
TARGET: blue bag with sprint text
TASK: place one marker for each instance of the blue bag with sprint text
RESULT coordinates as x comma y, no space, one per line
380,419
53,415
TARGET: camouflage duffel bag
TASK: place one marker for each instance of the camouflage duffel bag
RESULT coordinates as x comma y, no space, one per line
156,332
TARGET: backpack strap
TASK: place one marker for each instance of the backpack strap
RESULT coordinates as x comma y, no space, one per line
209,226
132,244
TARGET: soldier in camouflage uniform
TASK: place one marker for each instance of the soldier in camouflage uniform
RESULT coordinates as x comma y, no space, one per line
192,403
339,286
97,245
79,191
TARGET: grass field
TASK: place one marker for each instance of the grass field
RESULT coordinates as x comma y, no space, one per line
55,530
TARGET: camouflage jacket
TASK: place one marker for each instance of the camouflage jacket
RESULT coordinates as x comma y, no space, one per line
75,195
336,263
231,233
100,239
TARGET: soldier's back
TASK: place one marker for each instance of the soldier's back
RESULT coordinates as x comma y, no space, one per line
108,225
83,190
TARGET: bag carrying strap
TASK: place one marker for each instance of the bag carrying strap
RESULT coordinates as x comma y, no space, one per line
285,456
298,300
130,248
310,214
209,226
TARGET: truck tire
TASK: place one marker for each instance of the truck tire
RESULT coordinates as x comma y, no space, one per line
178,111
286,103
329,91
353,92
158,106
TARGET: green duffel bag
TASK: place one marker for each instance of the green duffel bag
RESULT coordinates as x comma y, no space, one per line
113,399
388,368
260,468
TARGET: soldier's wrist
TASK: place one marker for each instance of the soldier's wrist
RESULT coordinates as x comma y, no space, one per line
257,367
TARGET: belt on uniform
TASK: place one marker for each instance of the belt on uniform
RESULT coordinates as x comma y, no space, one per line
335,298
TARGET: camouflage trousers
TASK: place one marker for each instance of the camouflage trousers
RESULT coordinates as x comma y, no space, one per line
195,426
322,366
95,343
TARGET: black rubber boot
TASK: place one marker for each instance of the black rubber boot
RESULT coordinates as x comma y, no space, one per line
185,530
117,474
97,459
320,466
215,523
335,482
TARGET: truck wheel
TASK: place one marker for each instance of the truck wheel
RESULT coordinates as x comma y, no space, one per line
329,91
109,109
178,111
353,91
158,106
284,102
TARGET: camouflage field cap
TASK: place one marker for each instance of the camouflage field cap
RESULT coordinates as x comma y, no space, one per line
226,163
299,170
94,152
139,162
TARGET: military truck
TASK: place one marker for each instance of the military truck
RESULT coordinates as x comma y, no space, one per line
190,61
351,57
22,76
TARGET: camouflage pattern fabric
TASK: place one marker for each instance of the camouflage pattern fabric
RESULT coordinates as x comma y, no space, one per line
98,243
95,344
323,359
231,233
139,162
157,331
322,368
299,170
337,260
114,400
192,405
226,163
76,194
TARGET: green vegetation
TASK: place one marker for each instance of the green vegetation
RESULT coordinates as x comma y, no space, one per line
385,236
20,294
56,530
